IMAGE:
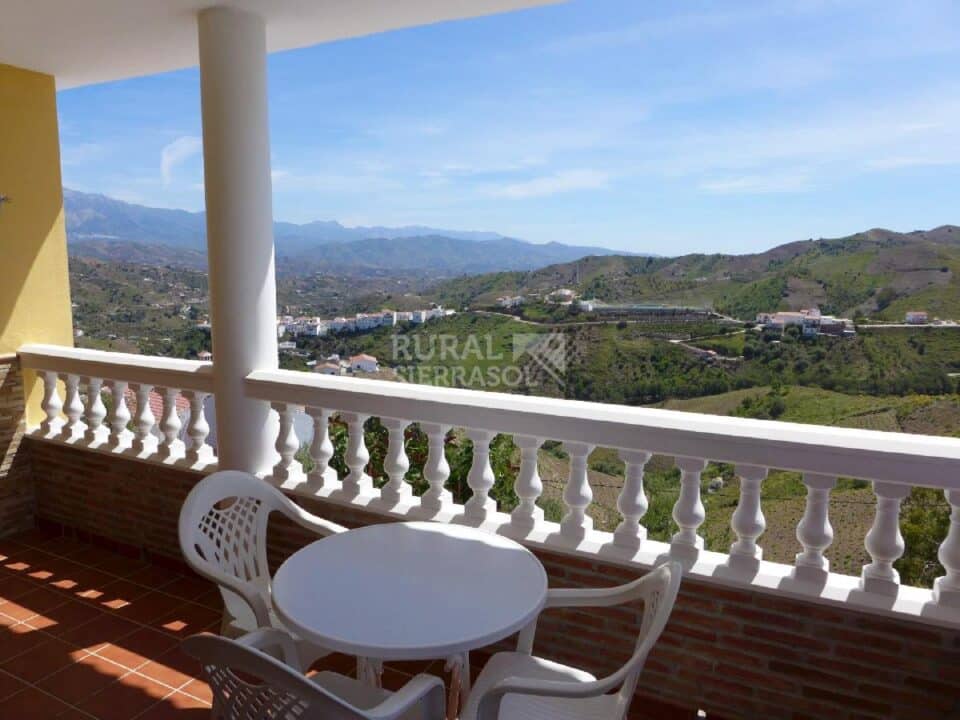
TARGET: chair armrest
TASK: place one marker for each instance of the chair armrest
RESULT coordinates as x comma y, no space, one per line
422,688
309,521
271,640
488,707
594,597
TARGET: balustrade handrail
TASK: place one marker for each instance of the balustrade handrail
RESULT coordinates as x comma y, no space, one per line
915,460
148,369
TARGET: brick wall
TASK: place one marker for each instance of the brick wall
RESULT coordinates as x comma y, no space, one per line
16,486
736,654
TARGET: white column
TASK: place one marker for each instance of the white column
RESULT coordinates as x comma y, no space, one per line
577,495
528,485
144,443
396,464
946,589
198,429
688,511
814,530
74,428
321,450
357,482
96,434
632,502
171,446
288,469
481,478
748,522
120,437
243,294
884,541
51,405
436,470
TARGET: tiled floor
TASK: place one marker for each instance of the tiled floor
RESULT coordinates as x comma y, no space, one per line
88,633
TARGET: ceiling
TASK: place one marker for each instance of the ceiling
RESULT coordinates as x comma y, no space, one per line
81,42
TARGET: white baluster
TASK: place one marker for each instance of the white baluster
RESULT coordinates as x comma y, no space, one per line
198,429
51,405
436,470
396,463
688,512
632,502
288,469
946,589
94,413
171,446
577,495
748,522
144,442
884,541
480,479
527,486
321,450
357,482
814,530
120,436
74,428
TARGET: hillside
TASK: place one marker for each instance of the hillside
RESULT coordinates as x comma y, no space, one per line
879,273
103,228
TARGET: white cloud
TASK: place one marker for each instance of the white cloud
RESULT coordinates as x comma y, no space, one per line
758,184
559,182
177,153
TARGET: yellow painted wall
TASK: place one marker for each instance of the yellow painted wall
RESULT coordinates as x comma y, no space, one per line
34,285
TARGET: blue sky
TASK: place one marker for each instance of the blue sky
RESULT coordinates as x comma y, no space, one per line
653,126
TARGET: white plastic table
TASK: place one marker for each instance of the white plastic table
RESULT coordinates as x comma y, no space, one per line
410,591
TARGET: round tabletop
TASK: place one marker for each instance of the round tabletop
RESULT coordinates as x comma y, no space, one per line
409,591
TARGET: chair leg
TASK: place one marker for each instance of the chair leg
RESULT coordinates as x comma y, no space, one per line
370,671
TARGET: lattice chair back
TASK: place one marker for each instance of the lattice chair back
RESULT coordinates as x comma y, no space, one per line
223,536
248,684
658,590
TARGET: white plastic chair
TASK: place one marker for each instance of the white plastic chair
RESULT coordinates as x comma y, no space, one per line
249,683
223,536
521,686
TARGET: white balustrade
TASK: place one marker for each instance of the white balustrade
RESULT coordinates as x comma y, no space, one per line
321,450
119,418
144,442
198,429
436,470
577,495
51,404
688,511
357,482
814,531
884,541
748,522
632,502
74,428
946,589
528,485
171,446
480,478
396,464
288,468
94,413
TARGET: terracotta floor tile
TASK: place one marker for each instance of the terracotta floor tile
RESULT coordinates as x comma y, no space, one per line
77,682
192,588
32,704
148,642
177,707
117,653
154,577
125,698
337,662
9,684
173,668
13,587
118,594
148,608
40,601
43,659
100,631
118,564
18,639
64,618
198,689
187,619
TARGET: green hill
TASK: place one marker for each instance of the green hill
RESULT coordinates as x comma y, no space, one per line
879,273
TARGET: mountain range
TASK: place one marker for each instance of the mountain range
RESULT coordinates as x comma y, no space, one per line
108,229
880,273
